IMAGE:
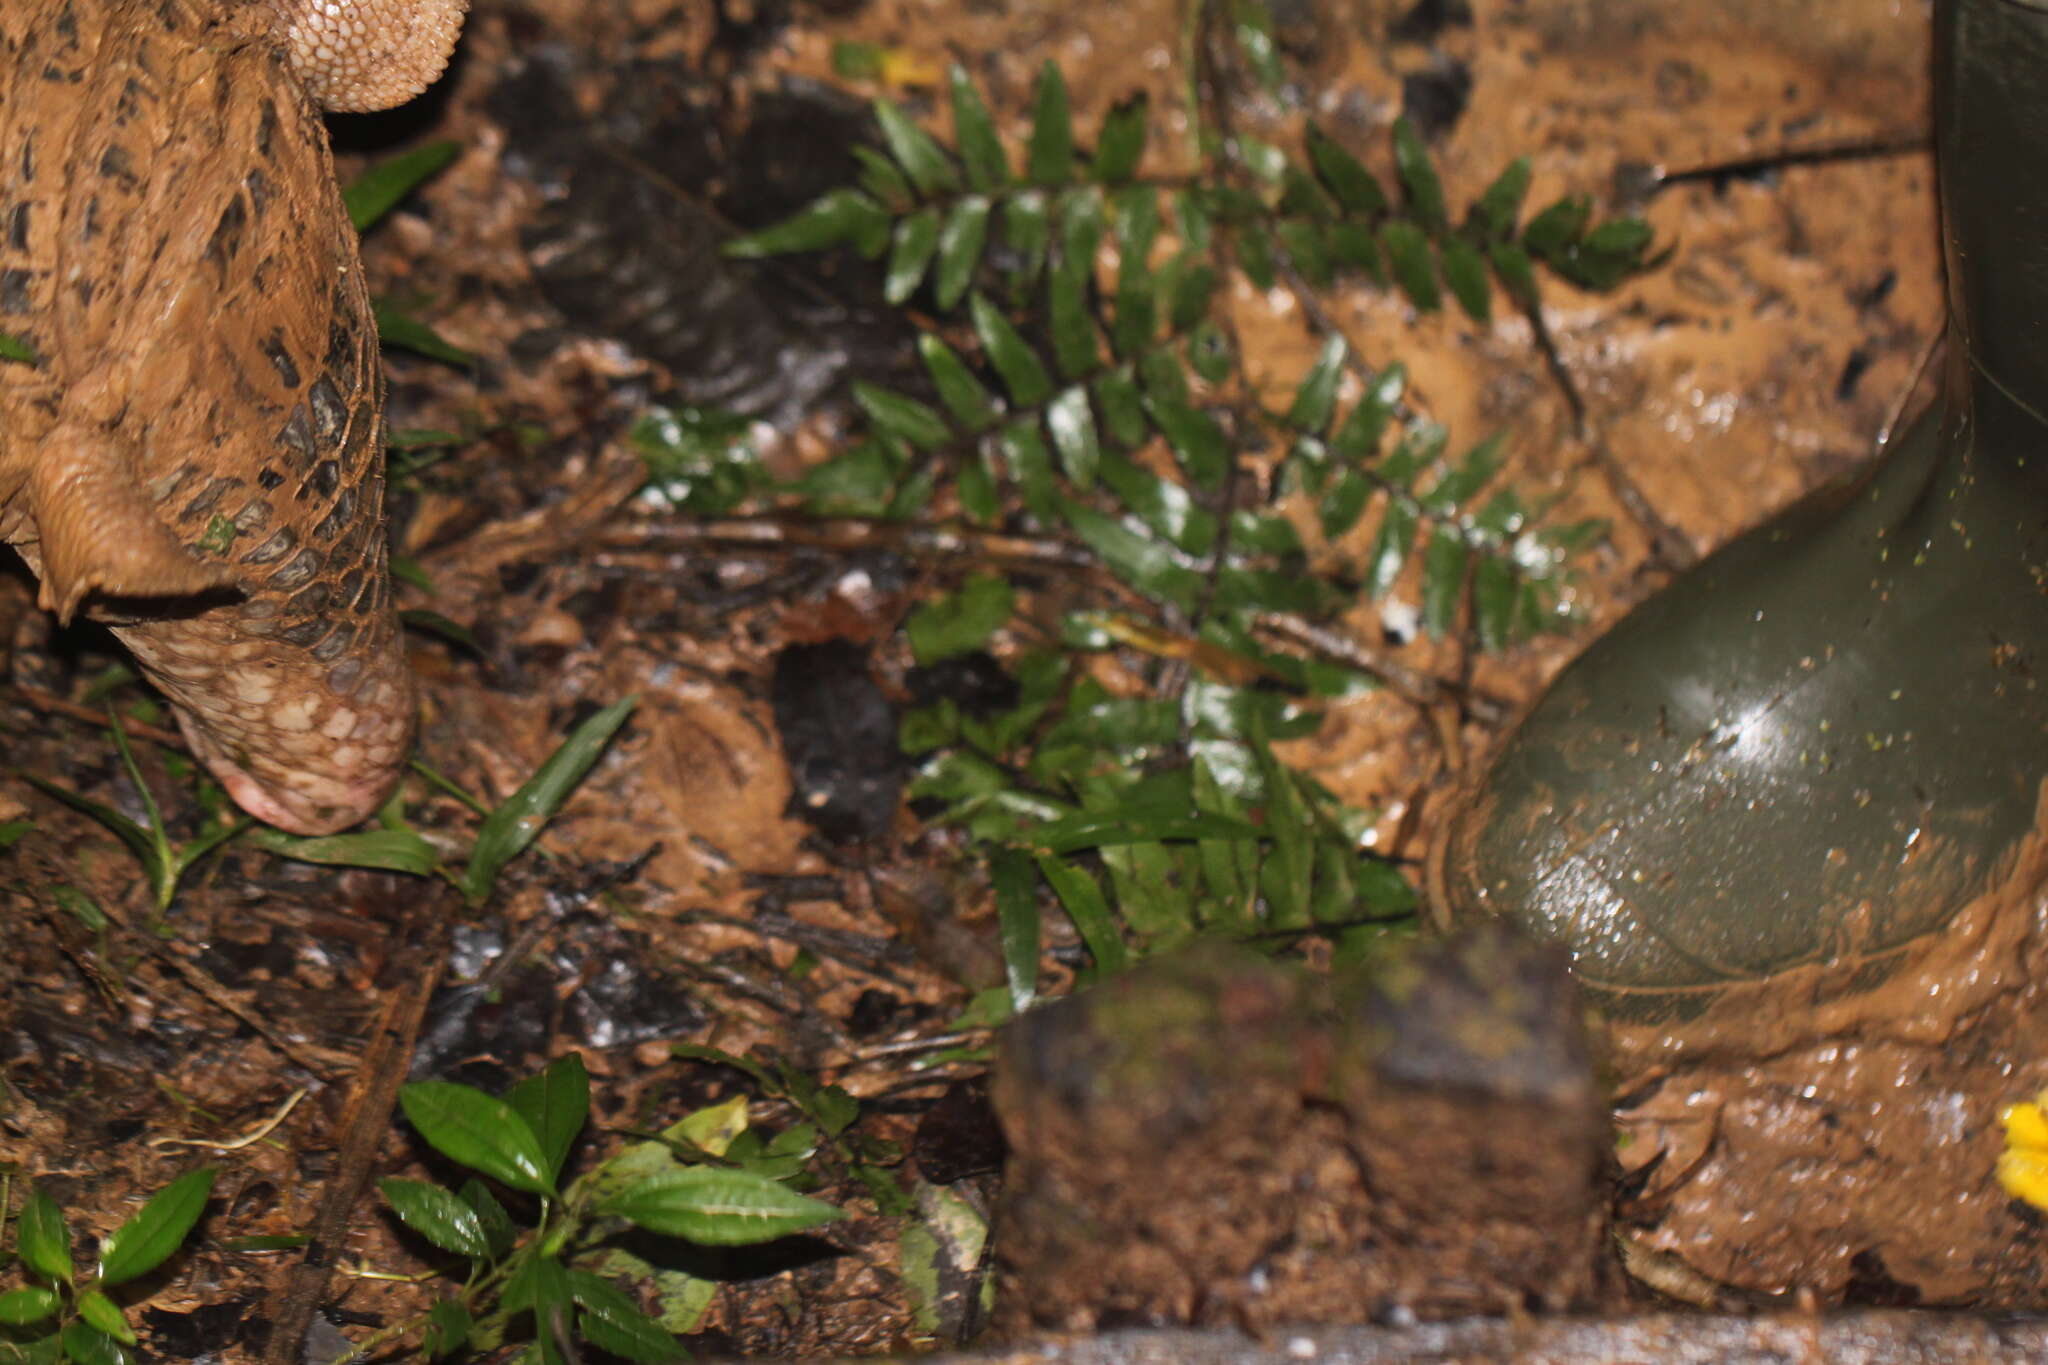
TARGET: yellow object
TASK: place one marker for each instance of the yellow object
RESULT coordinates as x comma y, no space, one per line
2023,1165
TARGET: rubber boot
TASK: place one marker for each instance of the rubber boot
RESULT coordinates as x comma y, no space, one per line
1826,740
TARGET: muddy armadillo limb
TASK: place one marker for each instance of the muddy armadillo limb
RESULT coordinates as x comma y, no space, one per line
196,456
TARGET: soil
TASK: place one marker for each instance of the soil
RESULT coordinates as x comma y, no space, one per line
683,896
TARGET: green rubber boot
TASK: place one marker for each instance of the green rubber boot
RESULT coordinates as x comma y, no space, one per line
1816,749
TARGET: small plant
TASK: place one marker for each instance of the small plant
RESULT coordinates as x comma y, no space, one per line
70,1315
697,1181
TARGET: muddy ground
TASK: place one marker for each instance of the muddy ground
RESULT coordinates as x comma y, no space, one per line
682,896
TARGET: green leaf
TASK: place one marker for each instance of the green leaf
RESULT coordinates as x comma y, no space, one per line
1089,909
975,134
41,1239
1030,465
1023,375
1408,253
1072,426
448,1328
614,1323
1148,565
843,215
1465,273
1193,289
910,253
387,850
148,849
1255,256
1317,397
1501,205
1123,409
1027,230
880,177
398,327
1049,159
1516,272
1360,435
1074,347
1081,227
960,244
1443,580
1203,449
15,349
1121,142
971,405
1304,245
1493,601
1017,913
1418,177
1554,229
518,822
23,1306
379,189
916,151
480,1132
1344,504
1164,506
1390,547
903,417
145,1241
717,1207
439,1216
1457,487
1353,246
500,1232
84,1345
555,1103
961,622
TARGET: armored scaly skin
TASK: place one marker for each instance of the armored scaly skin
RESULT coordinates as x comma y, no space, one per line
197,457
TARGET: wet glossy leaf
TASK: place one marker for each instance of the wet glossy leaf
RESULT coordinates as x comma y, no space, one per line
1030,465
1316,398
1121,142
1408,254
1088,908
1022,373
1049,158
1264,533
1344,503
1421,445
1501,205
910,252
975,134
1268,590
23,1306
1254,30
1493,601
1418,177
1123,410
1081,227
86,1345
388,850
962,621
1557,227
614,1323
960,244
1074,346
1465,273
975,486
500,1232
146,1240
844,215
717,1207
507,831
380,189
1354,186
1027,228
439,1216
448,1328
1390,548
916,151
41,1239
902,416
1072,426
478,1131
1146,564
1016,887
397,327
971,405
555,1103
1164,506
1443,580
